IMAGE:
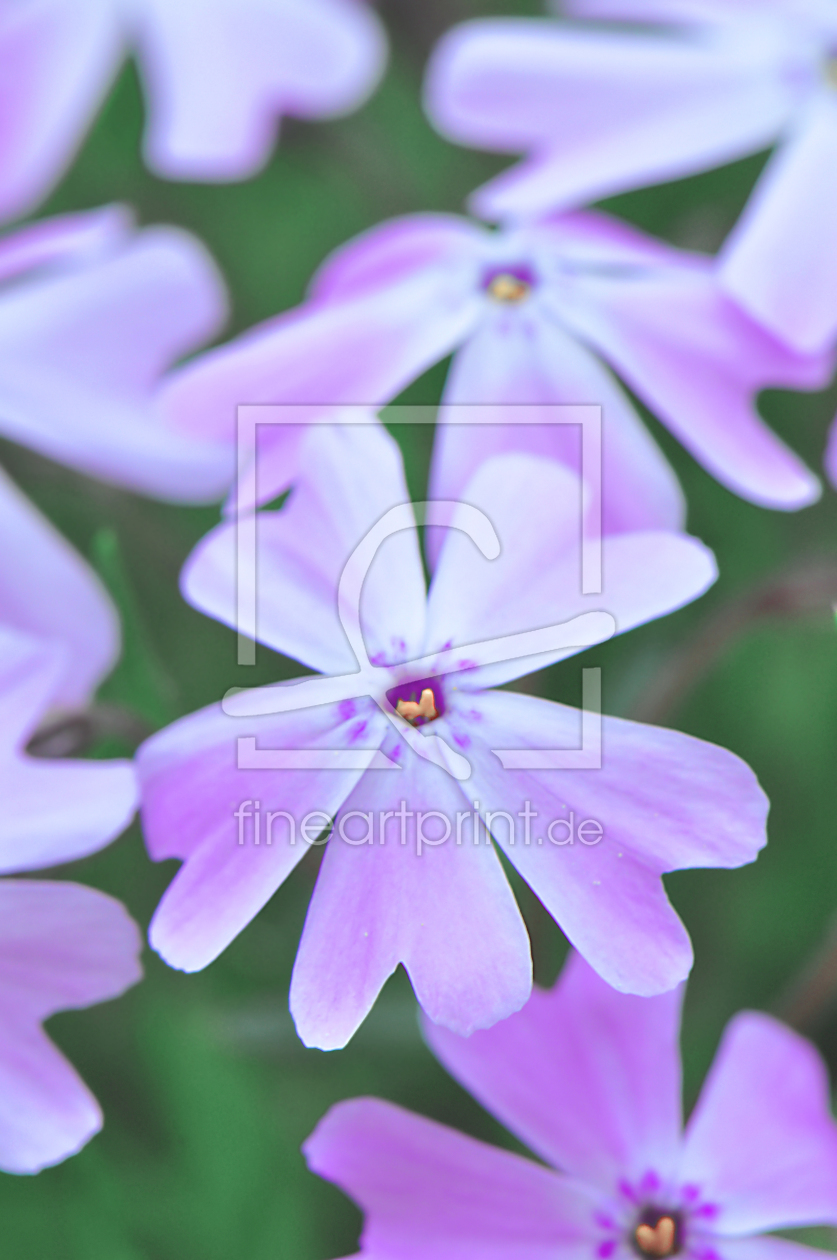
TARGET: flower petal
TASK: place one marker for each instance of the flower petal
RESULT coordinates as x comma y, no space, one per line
536,580
766,1247
661,800
588,1078
761,1142
697,360
54,811
674,801
61,947
349,476
47,590
326,354
396,251
197,804
84,348
518,366
601,111
428,1190
215,102
56,62
445,911
780,261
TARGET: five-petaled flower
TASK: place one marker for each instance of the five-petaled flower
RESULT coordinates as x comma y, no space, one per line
62,946
589,1080
447,913
218,75
536,315
692,84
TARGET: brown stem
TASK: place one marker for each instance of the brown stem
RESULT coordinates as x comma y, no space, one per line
75,733
808,588
813,991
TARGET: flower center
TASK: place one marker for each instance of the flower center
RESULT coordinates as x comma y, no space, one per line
831,71
658,1234
418,702
509,285
426,707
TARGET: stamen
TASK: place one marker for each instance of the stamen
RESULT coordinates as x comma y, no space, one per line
507,287
426,707
658,1240
831,72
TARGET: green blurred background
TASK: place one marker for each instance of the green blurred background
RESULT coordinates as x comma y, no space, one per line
206,1090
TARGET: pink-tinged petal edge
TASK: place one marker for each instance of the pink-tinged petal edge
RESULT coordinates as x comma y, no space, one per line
62,947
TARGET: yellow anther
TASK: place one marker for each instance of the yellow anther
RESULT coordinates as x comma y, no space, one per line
509,288
657,1240
426,707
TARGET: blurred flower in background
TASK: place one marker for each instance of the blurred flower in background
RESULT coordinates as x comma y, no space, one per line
536,314
62,947
218,74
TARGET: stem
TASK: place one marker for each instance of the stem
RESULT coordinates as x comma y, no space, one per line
808,588
814,990
75,733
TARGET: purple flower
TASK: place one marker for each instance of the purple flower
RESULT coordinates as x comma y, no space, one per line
602,110
48,592
396,888
217,74
92,313
589,1080
536,315
53,811
62,947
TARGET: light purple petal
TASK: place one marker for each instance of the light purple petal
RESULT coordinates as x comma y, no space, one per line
220,74
586,1077
191,790
363,350
395,251
766,1247
446,912
831,454
349,476
673,800
48,591
600,111
84,348
536,580
68,239
61,947
428,1190
663,801
525,363
780,262
698,361
56,62
674,11
53,811
761,1142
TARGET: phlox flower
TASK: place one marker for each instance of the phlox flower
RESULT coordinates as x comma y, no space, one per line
695,83
92,314
441,906
543,313
62,946
217,76
590,1081
53,810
